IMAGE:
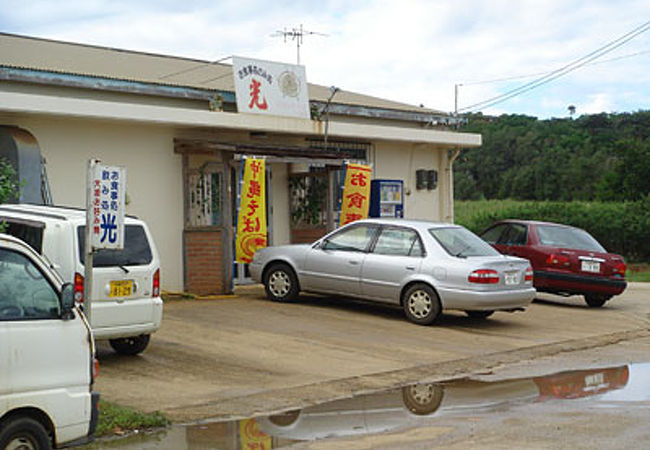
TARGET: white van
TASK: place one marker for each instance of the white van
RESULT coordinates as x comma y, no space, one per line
126,303
46,356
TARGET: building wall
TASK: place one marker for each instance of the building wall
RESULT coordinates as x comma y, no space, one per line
204,259
280,204
155,177
399,161
154,174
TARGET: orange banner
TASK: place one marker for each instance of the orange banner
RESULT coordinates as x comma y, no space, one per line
355,201
251,436
251,220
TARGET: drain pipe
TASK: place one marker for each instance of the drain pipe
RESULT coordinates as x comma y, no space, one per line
330,174
450,179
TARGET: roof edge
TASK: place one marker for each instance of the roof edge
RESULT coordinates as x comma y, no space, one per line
49,78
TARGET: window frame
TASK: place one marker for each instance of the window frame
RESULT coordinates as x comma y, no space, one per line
369,245
48,280
510,229
423,253
504,227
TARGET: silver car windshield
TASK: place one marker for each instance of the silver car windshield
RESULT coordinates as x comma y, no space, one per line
461,242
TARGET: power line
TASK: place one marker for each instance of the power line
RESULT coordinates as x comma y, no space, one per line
574,65
563,70
197,67
520,77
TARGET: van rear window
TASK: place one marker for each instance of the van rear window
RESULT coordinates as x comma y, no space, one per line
136,251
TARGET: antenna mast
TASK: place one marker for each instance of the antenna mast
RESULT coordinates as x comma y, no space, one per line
296,34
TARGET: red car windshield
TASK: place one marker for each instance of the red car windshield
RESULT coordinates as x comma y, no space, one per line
568,238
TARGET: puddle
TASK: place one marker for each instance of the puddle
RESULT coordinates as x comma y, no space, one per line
613,387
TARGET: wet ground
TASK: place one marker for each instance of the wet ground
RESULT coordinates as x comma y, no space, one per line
598,407
246,356
237,360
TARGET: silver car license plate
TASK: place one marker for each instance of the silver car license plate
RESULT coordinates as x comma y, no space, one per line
511,278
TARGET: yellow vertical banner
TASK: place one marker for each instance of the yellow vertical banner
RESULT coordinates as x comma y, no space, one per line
251,219
355,200
251,436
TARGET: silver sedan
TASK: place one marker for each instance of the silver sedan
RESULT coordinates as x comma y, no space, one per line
425,267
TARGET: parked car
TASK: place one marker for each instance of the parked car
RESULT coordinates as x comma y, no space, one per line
46,356
126,303
423,266
566,260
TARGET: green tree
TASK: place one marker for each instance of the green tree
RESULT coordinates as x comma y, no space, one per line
629,176
599,156
9,187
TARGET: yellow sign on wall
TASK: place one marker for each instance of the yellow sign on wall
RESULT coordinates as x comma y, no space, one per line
355,201
251,436
251,220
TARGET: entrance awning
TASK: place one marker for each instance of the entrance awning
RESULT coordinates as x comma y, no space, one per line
334,152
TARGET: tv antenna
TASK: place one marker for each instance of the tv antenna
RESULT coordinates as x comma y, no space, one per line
296,34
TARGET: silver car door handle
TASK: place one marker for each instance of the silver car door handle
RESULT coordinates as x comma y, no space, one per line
410,267
354,263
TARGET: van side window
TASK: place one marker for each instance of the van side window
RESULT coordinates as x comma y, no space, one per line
25,294
30,232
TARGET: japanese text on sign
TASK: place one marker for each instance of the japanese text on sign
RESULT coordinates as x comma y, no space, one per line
251,220
266,87
356,193
108,188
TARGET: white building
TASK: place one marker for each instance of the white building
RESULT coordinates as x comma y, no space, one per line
172,122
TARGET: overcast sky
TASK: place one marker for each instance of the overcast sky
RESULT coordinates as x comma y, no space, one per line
412,51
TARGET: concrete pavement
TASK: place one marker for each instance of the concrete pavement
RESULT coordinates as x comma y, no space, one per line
246,355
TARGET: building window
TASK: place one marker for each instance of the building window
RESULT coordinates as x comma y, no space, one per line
308,199
205,199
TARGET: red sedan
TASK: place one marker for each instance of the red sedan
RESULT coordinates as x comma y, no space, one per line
565,260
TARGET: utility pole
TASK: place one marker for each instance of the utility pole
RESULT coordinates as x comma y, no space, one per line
296,34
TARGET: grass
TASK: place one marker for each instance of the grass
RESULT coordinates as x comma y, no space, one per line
115,419
464,210
638,272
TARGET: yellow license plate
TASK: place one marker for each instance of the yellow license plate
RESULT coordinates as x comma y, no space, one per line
122,288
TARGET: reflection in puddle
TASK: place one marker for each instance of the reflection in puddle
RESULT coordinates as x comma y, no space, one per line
398,408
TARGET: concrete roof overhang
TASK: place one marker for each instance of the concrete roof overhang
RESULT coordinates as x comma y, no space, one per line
38,104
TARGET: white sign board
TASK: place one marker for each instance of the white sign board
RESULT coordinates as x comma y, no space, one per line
264,87
107,206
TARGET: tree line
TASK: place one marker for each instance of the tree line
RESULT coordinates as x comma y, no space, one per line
602,157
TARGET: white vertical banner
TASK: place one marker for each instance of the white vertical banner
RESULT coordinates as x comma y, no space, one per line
107,208
265,87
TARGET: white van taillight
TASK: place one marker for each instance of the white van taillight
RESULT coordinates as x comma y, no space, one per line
95,368
78,288
155,290
484,276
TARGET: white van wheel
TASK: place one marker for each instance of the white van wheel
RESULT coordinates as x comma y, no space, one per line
25,434
130,345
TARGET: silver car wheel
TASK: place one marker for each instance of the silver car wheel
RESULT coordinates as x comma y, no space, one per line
420,304
279,283
422,393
